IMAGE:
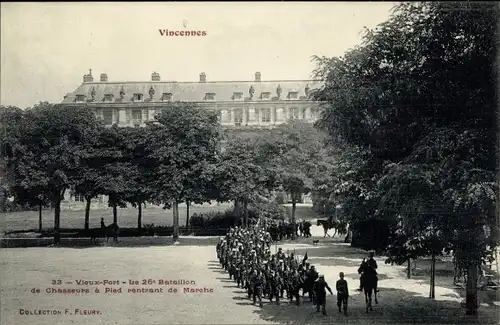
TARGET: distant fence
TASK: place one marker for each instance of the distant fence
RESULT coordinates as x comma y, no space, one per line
80,237
124,232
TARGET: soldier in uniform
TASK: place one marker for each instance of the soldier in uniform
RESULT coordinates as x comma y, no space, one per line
258,283
342,293
312,276
274,287
364,264
281,271
249,282
238,272
294,284
320,287
372,263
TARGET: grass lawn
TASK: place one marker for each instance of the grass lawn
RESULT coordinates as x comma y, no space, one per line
127,217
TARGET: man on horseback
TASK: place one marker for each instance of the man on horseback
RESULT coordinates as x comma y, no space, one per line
370,263
369,280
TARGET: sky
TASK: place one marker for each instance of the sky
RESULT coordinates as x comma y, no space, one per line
46,48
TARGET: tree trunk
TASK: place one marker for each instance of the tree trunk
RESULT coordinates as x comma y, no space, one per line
139,215
245,212
432,293
294,206
187,215
57,220
87,213
408,270
175,210
237,211
115,213
40,216
471,302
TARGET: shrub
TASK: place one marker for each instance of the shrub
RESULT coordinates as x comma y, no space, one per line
227,219
268,210
214,220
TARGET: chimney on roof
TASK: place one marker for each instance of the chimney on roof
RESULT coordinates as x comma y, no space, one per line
88,77
155,76
257,77
203,77
104,77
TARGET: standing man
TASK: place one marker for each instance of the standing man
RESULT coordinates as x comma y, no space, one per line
312,276
342,293
319,289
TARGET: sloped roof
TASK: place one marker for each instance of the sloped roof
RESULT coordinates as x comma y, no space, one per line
190,91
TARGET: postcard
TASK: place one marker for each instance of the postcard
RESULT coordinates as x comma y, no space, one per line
249,163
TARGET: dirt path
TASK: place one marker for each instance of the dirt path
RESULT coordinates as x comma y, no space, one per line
401,300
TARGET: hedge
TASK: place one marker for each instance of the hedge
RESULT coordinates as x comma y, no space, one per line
227,219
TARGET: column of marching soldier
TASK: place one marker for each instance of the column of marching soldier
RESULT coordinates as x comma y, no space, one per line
246,255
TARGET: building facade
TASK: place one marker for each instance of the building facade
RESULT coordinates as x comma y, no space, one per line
242,105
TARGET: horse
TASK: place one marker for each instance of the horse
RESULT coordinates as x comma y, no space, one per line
370,281
95,233
112,231
327,225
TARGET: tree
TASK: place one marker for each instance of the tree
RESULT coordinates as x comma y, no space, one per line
90,179
117,167
184,146
49,151
137,182
294,152
14,122
418,95
239,176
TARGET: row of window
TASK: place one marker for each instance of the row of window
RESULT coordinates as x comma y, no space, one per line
137,116
134,116
80,198
168,96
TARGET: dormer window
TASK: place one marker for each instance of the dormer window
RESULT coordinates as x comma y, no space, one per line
80,98
138,97
237,96
166,97
265,95
108,97
293,95
209,96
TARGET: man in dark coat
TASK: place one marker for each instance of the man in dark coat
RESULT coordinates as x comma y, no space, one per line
369,265
294,284
320,287
312,276
258,283
342,293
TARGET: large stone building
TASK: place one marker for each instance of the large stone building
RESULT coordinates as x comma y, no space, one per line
255,103
242,105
